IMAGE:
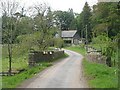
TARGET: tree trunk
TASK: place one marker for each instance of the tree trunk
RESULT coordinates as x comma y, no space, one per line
108,61
10,59
119,61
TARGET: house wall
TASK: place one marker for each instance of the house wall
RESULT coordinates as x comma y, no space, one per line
76,39
71,39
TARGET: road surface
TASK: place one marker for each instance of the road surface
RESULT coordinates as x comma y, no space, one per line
65,74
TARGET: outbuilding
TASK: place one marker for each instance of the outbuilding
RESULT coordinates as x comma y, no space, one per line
70,36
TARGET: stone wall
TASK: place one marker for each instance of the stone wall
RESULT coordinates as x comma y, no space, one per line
96,58
37,56
95,55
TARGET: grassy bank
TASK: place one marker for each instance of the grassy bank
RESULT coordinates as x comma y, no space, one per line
98,75
14,81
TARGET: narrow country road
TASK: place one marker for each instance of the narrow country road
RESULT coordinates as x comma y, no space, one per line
65,74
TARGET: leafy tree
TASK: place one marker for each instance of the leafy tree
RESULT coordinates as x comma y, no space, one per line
105,17
65,19
101,41
44,23
25,26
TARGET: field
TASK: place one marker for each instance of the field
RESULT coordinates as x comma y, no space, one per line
19,61
98,75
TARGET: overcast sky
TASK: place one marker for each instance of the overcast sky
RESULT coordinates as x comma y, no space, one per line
64,5
76,5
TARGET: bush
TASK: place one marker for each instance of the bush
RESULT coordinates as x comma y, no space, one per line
58,42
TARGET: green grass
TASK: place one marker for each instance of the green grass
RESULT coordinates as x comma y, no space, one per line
17,63
98,75
19,58
79,49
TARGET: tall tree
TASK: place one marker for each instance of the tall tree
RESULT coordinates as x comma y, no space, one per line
85,22
8,27
80,24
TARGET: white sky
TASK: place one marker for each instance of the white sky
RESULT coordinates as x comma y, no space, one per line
64,5
76,5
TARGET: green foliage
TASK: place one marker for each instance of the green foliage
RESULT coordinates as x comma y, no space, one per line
106,45
101,39
58,42
105,19
99,29
36,41
19,58
84,22
8,29
25,26
65,19
86,14
79,23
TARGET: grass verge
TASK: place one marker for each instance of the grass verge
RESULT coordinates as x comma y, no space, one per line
14,81
98,75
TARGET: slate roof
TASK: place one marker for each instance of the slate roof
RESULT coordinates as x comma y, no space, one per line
69,33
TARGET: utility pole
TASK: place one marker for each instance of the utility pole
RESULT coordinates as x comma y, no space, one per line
86,39
86,35
81,35
60,32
